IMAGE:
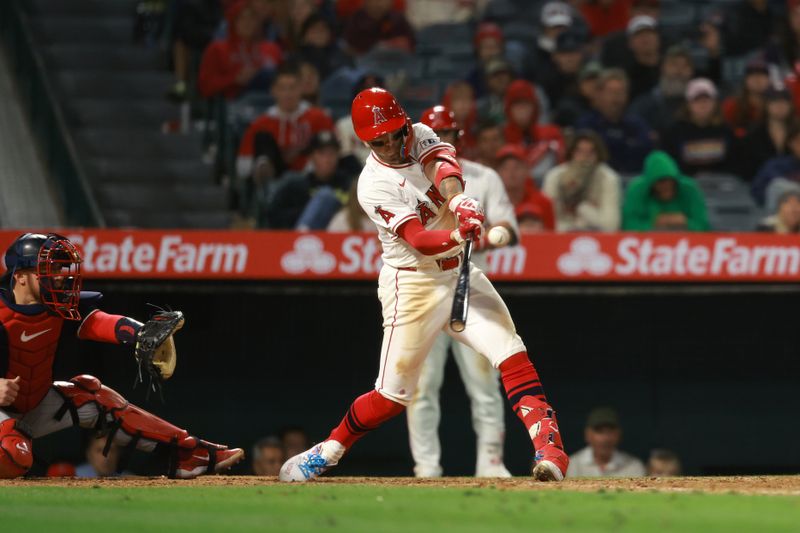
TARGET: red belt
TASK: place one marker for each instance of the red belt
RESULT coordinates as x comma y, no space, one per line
446,263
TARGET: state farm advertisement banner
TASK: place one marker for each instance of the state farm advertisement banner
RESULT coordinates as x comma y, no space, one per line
685,257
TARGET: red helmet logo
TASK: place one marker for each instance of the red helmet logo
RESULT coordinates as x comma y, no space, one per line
376,112
377,115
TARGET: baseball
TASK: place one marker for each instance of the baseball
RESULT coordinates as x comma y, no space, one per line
499,236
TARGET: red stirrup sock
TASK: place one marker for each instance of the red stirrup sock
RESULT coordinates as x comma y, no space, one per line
527,398
369,411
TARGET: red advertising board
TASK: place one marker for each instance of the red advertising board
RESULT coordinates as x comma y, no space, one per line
254,255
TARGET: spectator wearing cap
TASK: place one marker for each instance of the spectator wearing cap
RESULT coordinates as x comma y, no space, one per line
786,219
489,45
291,122
642,62
560,83
768,138
543,143
627,136
350,143
318,45
700,141
778,170
522,191
663,199
309,200
602,457
499,75
748,26
377,24
241,62
555,19
584,190
746,108
660,107
663,463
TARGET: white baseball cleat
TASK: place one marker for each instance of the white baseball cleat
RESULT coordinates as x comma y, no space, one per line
493,471
547,471
312,463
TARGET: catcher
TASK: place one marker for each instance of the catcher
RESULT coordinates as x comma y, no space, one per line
39,292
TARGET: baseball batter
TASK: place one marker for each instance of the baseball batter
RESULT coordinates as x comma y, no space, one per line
481,381
40,299
412,188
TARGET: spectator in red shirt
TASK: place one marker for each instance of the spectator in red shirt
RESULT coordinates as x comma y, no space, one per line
241,62
377,24
291,122
543,143
521,189
746,109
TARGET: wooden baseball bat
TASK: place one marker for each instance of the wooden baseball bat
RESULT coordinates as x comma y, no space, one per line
458,316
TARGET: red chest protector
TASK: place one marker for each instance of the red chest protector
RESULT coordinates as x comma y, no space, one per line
32,343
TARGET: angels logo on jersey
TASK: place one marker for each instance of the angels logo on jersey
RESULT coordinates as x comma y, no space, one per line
377,115
425,212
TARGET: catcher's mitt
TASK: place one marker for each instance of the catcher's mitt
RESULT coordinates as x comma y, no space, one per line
155,349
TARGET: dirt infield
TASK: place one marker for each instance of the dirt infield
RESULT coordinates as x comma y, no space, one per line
786,485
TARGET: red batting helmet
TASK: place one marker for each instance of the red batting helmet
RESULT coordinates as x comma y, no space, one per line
376,112
16,456
439,117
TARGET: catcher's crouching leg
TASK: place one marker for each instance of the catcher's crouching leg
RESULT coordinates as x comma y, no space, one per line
133,427
16,456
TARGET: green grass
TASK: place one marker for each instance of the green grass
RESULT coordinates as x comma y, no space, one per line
352,508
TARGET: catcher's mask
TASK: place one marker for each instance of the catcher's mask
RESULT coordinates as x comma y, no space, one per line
59,271
57,265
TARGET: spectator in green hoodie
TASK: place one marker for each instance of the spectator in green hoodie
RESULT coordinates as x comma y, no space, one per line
663,199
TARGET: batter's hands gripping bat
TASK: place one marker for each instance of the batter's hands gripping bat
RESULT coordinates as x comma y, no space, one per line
458,316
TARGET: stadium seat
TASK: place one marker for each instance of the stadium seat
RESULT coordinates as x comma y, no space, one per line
119,114
444,34
129,169
86,57
730,206
105,8
83,30
522,31
101,84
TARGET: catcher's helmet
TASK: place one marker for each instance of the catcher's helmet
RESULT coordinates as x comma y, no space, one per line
375,112
58,267
439,117
24,252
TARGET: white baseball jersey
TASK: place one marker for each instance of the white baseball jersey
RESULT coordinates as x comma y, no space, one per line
486,186
393,194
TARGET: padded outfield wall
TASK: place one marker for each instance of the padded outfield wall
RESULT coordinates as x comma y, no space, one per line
711,371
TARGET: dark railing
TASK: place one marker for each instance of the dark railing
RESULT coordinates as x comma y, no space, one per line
47,119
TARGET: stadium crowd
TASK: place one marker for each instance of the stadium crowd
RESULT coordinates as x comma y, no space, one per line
614,114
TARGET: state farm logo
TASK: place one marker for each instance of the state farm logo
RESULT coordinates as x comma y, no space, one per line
308,254
585,255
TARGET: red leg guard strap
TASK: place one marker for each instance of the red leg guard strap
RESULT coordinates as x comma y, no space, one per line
369,411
